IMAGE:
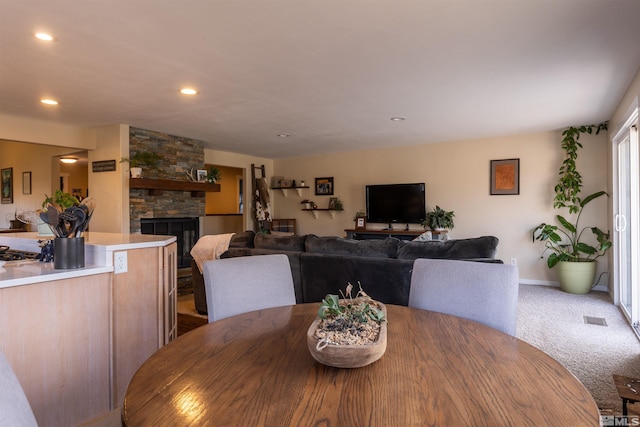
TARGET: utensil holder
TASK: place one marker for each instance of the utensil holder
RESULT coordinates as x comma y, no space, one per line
68,252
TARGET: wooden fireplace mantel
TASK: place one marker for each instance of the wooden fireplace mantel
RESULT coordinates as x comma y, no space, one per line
157,186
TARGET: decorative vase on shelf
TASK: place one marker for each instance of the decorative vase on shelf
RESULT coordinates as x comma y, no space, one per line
136,172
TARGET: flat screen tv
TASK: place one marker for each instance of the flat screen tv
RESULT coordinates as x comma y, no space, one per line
396,203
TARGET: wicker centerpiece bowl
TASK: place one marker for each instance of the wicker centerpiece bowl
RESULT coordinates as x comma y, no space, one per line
348,332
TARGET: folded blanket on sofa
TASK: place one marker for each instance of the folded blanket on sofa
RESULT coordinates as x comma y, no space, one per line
210,247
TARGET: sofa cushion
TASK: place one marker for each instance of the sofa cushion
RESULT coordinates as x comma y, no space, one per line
385,248
279,243
477,247
385,280
242,240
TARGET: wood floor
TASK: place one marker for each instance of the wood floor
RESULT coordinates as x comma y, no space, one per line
188,323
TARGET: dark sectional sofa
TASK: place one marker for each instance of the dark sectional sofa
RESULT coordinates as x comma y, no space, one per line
322,265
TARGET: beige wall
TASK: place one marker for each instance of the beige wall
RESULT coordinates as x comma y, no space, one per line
105,143
23,158
457,178
628,102
78,177
456,175
45,132
110,189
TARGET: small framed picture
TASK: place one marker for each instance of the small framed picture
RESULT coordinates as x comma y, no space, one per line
361,223
324,186
202,175
26,182
505,177
7,185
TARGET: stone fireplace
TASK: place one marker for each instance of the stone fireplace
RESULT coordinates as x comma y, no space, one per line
168,212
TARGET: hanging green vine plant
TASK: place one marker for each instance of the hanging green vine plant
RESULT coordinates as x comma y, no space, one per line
570,182
564,241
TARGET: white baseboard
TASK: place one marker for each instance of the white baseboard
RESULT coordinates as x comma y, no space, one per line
601,288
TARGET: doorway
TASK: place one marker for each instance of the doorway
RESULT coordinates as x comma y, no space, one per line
626,239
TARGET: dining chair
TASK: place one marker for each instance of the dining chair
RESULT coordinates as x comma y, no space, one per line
483,292
15,409
239,285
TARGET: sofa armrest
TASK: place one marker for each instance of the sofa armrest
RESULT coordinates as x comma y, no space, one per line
199,293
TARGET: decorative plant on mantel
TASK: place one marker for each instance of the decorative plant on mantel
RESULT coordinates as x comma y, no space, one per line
213,174
142,159
565,241
147,159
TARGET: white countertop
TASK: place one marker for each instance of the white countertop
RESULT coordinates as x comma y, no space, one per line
99,248
29,272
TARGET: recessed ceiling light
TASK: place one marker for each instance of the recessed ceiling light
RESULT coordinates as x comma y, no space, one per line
44,36
68,159
188,91
397,119
49,101
284,135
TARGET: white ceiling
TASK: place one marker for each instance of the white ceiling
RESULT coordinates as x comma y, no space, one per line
330,73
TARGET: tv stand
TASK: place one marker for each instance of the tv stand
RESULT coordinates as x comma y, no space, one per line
382,234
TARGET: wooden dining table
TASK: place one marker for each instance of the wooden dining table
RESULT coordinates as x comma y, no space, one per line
255,369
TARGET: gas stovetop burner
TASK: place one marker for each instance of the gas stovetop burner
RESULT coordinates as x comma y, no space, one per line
7,254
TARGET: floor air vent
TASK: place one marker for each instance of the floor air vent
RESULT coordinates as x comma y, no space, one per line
590,320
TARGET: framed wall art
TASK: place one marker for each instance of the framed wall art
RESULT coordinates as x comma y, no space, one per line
324,186
7,185
505,177
26,182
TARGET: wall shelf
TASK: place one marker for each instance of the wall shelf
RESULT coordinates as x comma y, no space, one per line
297,188
157,186
332,212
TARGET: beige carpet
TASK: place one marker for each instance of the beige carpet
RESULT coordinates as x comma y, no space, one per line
553,321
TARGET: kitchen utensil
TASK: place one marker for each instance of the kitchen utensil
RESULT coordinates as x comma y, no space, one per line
79,218
44,216
53,215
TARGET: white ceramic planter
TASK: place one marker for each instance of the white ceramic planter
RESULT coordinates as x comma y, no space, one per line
576,277
136,172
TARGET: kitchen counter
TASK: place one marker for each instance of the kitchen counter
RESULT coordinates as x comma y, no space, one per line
99,248
75,337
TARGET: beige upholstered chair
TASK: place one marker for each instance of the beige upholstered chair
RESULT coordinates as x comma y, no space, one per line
239,285
14,406
483,292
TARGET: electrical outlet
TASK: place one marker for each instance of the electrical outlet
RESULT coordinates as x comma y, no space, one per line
120,262
514,261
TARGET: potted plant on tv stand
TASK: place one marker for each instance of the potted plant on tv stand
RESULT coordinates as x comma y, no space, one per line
439,221
574,259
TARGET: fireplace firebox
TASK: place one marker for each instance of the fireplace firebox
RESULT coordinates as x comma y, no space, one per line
186,231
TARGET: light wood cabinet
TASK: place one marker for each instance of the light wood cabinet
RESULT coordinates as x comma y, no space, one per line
76,343
144,311
56,337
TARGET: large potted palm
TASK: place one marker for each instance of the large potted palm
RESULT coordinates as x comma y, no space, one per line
571,255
